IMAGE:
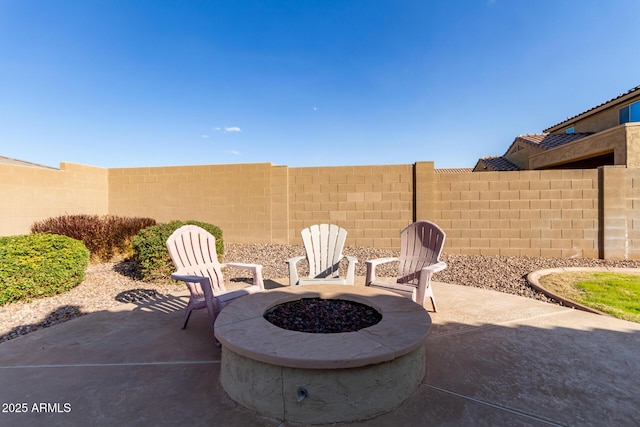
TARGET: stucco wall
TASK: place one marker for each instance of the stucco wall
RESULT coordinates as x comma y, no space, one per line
520,152
601,120
611,140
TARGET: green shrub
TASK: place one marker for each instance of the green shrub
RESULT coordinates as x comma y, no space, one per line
106,237
39,265
150,248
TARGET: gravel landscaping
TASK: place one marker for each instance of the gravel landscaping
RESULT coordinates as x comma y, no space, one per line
111,284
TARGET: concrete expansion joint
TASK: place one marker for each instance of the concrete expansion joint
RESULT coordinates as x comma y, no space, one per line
282,394
471,328
110,365
538,316
474,328
495,406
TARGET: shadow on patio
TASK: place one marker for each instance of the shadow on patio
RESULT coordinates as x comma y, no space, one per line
492,359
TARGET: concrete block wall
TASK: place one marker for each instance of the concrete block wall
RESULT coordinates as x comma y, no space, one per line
373,203
620,213
280,216
550,213
632,150
237,198
633,214
29,194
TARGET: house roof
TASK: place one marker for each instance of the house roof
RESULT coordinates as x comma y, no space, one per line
540,142
618,99
453,170
10,161
547,141
496,163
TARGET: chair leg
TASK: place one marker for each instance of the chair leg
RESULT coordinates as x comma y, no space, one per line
212,320
433,302
186,317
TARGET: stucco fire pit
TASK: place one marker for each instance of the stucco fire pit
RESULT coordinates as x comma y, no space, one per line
318,378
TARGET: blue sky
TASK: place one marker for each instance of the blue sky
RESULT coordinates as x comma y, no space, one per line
116,83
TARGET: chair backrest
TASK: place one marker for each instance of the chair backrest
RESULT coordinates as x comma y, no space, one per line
193,251
323,244
421,244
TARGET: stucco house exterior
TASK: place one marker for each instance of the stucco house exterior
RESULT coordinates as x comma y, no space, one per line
607,134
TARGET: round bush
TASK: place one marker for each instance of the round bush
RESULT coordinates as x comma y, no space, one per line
150,248
39,265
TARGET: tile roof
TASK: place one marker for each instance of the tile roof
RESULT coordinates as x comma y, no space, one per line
10,161
453,170
629,92
496,163
547,141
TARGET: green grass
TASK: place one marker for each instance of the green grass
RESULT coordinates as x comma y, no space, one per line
613,293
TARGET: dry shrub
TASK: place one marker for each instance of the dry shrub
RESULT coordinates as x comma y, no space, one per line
107,237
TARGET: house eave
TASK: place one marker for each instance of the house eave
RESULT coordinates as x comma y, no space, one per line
621,99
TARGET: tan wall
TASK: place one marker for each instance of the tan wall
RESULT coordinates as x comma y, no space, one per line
532,213
237,198
551,213
31,194
633,145
372,202
520,152
602,120
266,203
611,140
633,214
620,213
598,122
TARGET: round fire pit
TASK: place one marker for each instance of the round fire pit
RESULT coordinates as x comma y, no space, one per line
322,377
322,316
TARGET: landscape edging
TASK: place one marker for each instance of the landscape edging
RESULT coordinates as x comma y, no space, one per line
534,276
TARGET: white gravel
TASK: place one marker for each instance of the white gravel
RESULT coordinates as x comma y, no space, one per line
110,284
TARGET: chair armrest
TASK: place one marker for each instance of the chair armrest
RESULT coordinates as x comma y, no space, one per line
378,261
243,266
190,278
295,259
434,268
293,269
371,267
256,269
426,273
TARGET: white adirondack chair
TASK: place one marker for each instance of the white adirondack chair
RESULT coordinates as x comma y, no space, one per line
193,252
421,246
323,245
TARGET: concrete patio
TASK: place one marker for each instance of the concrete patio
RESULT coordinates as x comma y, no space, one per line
491,359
